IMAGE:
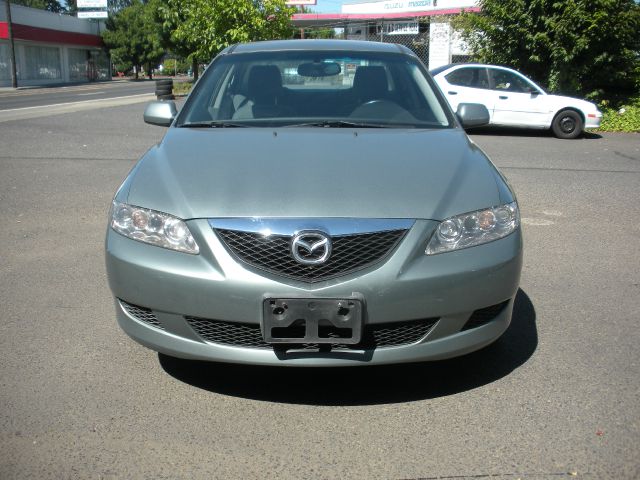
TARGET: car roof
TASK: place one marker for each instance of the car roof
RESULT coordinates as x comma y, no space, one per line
317,44
437,70
442,68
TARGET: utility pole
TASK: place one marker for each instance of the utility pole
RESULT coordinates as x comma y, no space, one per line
12,48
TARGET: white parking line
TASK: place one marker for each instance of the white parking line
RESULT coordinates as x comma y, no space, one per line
61,108
70,88
74,103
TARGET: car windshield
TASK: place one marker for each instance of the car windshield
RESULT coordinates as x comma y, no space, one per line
315,89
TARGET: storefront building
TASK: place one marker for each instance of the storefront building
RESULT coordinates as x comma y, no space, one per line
422,25
51,48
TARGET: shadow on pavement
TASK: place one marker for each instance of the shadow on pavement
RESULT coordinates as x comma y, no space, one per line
522,132
369,385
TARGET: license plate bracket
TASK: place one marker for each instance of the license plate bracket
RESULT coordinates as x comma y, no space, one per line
312,320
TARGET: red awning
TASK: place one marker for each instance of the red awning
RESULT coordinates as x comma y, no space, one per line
47,35
317,19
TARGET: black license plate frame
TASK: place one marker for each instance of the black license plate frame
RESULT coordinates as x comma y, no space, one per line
312,320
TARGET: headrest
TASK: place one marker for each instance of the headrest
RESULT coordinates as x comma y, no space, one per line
370,82
264,82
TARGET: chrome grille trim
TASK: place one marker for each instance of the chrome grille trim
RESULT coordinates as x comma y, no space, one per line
291,226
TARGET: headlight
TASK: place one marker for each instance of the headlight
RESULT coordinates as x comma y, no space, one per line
150,226
474,228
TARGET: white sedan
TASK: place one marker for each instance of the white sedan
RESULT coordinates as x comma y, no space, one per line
515,101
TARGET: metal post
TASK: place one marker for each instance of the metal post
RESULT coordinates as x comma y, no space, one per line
12,48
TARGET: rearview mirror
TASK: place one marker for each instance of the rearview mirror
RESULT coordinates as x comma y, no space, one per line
319,69
160,113
472,115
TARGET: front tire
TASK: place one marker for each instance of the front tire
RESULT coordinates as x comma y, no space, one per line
567,124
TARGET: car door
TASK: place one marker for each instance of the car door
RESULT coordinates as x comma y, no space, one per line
467,85
516,101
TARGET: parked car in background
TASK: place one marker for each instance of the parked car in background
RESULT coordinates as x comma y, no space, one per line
314,203
513,100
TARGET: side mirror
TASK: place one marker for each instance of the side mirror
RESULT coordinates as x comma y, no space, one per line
160,113
472,115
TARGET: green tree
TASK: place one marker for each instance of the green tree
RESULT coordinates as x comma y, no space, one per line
49,5
212,26
586,47
133,37
168,15
315,33
117,5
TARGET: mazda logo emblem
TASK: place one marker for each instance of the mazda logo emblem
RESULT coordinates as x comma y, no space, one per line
311,248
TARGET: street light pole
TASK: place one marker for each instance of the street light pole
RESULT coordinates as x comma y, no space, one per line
12,49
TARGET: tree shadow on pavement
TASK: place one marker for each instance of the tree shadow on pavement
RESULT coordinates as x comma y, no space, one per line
368,385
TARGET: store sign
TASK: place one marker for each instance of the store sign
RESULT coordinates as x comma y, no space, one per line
300,2
400,28
399,6
93,14
92,4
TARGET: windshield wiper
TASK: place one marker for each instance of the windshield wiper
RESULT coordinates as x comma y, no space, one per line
212,124
338,124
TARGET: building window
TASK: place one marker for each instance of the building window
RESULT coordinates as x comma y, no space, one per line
101,62
5,62
77,65
42,63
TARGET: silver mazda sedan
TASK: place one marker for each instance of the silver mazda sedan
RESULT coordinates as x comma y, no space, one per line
314,203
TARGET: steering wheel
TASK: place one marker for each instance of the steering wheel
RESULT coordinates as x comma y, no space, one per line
378,108
374,102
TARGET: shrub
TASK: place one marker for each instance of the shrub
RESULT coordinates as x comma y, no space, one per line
621,117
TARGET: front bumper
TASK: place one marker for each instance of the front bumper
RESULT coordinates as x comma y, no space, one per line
593,120
408,285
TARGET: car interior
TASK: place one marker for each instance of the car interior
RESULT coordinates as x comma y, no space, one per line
317,90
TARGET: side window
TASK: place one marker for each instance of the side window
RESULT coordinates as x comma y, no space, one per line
469,77
508,81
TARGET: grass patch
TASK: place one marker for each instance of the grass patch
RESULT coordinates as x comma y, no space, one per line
182,88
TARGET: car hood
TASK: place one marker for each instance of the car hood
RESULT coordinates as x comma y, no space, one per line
561,101
313,172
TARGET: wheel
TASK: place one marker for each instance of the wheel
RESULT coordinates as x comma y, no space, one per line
166,97
164,82
567,124
164,90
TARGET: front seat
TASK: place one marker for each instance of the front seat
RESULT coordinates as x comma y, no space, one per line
264,94
370,83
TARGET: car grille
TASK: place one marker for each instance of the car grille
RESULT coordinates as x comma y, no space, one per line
145,315
273,253
484,315
250,336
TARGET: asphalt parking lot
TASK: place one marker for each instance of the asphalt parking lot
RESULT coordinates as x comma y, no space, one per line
557,396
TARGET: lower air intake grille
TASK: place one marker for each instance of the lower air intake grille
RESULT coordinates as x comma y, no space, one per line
143,314
228,333
249,335
484,315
